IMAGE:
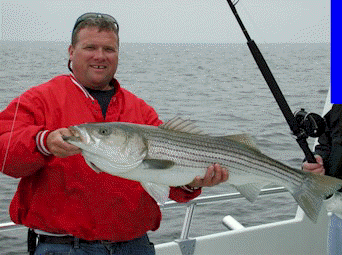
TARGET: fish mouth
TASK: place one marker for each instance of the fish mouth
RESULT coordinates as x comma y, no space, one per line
78,136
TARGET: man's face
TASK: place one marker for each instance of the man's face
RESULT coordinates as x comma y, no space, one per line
95,57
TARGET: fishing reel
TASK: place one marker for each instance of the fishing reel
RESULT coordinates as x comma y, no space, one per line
311,123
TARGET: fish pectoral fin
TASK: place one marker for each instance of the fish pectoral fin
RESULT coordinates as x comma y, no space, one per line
160,193
158,163
93,166
250,191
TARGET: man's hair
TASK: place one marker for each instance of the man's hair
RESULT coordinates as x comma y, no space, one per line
102,23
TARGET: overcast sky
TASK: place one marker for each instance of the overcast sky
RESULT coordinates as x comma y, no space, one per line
176,21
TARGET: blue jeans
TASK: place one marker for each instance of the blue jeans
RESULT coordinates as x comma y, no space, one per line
335,236
139,246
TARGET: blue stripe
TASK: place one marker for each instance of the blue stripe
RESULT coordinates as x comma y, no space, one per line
336,54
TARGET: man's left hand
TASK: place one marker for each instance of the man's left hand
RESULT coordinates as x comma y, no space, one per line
215,175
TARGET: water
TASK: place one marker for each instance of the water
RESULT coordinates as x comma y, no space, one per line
219,85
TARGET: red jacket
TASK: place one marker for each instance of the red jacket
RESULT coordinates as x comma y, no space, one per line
64,195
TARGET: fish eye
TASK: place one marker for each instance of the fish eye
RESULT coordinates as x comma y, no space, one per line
104,131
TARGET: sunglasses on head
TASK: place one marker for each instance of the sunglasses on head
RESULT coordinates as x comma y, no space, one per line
95,15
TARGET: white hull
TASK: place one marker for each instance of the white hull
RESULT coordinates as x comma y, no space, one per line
296,236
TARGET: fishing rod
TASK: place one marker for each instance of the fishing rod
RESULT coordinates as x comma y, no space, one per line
302,124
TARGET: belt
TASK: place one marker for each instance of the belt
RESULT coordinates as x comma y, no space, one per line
69,240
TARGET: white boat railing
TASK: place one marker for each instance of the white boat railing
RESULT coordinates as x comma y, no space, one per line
190,206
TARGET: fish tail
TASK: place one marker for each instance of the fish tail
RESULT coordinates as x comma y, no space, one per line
313,190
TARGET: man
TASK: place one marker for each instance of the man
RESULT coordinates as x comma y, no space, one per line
71,207
329,161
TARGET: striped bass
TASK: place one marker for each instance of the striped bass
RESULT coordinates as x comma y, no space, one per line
174,153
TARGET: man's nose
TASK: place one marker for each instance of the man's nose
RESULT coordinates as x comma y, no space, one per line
100,53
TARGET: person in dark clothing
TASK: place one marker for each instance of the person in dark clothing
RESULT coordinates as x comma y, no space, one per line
328,155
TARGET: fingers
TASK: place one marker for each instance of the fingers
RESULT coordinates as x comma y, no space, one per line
215,175
319,159
317,168
58,147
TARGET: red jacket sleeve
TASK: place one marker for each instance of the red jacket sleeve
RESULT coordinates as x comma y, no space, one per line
180,195
19,124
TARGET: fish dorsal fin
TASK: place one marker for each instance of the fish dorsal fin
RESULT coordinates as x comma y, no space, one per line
244,139
181,125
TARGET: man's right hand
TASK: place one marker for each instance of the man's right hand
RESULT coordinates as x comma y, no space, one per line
58,147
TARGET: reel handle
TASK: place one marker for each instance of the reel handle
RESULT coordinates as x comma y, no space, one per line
310,125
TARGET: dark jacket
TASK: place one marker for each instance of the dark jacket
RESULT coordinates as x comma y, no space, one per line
330,143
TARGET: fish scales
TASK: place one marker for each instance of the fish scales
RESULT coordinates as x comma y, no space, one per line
210,153
213,150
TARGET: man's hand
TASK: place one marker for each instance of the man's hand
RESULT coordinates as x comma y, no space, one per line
58,147
316,168
215,175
